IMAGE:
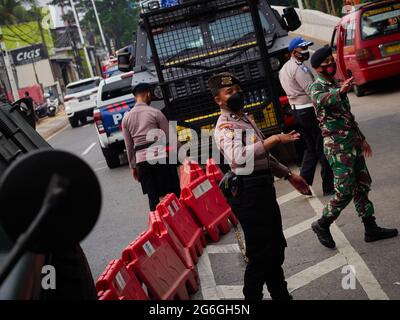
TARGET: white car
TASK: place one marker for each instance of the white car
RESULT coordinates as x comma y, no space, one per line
80,100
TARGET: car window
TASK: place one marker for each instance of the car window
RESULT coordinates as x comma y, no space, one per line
83,86
231,28
117,89
350,33
173,42
380,21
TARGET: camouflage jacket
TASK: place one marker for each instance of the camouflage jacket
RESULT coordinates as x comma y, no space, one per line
333,110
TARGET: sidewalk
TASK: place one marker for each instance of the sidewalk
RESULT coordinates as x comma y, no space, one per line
49,126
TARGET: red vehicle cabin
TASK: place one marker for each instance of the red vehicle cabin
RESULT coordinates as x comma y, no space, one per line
367,43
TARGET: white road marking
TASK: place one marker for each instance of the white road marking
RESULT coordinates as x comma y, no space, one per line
296,281
227,248
364,275
316,271
288,197
298,228
209,288
289,233
89,149
347,255
100,169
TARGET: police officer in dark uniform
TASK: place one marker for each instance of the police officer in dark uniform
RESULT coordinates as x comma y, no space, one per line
247,151
28,108
149,160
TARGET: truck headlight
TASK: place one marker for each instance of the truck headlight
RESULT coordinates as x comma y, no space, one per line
275,64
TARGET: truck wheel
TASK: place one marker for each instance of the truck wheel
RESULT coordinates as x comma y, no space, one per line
112,158
359,91
74,122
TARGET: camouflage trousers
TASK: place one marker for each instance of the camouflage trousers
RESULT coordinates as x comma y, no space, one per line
352,182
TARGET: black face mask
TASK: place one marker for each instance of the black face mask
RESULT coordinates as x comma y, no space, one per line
236,102
303,55
330,69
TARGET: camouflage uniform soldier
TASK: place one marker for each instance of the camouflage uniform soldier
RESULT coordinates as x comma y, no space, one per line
345,147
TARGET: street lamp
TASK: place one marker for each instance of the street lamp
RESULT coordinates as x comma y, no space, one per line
81,38
8,67
100,27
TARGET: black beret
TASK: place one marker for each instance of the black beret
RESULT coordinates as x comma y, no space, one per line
222,80
140,88
320,55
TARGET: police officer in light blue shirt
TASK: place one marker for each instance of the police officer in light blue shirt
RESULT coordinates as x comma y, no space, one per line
296,79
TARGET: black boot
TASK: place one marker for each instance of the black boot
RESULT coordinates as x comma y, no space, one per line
321,228
374,233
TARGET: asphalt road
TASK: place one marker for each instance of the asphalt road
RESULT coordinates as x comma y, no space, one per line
314,272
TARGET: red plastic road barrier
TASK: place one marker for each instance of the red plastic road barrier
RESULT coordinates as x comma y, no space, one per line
155,263
176,215
209,205
118,282
213,172
107,295
189,172
164,231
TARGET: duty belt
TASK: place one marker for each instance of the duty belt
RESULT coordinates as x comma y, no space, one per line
258,177
302,106
148,145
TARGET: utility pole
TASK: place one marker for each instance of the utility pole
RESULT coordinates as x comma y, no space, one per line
301,5
10,73
100,27
89,64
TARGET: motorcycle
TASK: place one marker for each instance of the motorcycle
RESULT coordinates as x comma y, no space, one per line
41,110
51,105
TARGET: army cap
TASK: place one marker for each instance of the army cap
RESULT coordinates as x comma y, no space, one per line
320,56
222,80
140,88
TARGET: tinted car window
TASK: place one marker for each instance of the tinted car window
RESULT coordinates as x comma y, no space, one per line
380,21
350,33
231,28
117,89
83,86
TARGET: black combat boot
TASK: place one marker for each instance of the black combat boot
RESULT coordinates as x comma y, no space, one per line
321,228
374,233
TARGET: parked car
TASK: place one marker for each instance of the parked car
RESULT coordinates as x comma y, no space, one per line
367,43
80,100
114,100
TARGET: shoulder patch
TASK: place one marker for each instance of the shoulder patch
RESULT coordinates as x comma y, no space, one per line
304,68
226,126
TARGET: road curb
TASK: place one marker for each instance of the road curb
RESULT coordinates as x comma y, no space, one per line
46,133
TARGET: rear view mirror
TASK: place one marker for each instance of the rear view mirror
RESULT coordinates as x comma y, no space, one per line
49,200
291,18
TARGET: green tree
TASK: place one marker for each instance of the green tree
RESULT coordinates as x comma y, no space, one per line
119,19
12,12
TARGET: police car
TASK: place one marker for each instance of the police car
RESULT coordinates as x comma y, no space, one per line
114,99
